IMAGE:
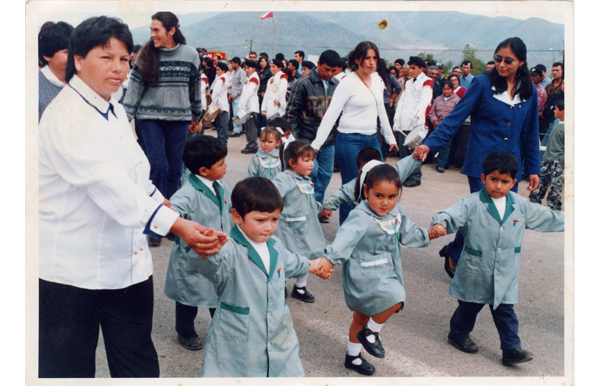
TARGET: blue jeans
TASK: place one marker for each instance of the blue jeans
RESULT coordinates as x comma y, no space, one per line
234,110
220,123
505,319
442,160
321,174
347,147
164,142
455,247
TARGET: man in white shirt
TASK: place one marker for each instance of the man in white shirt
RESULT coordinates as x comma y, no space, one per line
410,113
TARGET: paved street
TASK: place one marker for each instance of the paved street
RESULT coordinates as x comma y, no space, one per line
415,339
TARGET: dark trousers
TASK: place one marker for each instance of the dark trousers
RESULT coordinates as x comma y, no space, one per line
221,122
163,143
505,319
70,322
184,318
250,127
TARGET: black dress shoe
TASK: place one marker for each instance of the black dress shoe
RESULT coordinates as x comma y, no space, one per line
249,151
375,348
154,241
465,345
411,183
190,342
511,357
443,253
364,368
303,294
232,134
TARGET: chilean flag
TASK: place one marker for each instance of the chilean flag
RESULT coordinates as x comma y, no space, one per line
267,15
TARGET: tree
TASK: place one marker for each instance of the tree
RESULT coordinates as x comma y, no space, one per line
425,56
469,54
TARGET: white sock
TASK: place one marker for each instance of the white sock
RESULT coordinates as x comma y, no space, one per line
301,281
374,326
354,350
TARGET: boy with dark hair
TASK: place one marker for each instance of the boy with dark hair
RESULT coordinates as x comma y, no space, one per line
204,198
249,275
553,163
493,223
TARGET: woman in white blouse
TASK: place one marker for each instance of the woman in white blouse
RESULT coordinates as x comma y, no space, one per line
96,206
359,98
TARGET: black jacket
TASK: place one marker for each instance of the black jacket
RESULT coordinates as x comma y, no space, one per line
307,106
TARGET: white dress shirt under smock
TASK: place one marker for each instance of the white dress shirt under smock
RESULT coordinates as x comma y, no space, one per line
95,196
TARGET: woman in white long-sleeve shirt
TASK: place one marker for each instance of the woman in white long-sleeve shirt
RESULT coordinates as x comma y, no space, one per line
359,98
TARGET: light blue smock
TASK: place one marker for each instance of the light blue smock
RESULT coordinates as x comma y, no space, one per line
488,267
299,226
196,202
266,165
252,333
368,246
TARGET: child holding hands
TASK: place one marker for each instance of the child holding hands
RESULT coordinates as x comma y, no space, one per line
368,246
267,162
252,333
493,223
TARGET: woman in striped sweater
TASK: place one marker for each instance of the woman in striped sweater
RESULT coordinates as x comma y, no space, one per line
442,106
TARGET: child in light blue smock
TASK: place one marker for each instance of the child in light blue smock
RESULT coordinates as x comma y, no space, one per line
368,246
205,199
267,162
299,226
493,222
252,333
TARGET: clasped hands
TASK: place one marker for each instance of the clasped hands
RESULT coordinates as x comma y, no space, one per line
437,230
321,267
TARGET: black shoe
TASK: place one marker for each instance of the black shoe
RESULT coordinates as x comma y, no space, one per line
518,355
154,241
375,348
365,368
306,297
443,253
465,345
190,342
411,183
440,169
232,134
170,236
249,151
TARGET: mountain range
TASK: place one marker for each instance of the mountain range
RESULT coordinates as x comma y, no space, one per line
441,33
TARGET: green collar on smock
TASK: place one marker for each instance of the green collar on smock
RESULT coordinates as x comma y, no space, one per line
484,196
198,184
237,235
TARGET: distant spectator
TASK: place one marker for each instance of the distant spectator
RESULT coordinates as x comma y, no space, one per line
457,71
264,74
456,87
252,56
299,56
280,56
545,81
536,76
490,65
442,106
53,51
467,78
294,66
211,71
306,66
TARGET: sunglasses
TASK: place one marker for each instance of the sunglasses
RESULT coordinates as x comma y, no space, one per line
509,61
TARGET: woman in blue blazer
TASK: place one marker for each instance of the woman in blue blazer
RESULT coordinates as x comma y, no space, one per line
504,116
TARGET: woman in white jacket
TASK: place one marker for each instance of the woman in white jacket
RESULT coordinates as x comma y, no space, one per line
274,101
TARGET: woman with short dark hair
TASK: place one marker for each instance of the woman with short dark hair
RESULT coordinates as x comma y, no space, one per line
96,204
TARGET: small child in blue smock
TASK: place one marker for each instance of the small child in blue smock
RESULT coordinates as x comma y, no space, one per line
299,228
205,199
267,161
368,246
346,193
493,222
252,333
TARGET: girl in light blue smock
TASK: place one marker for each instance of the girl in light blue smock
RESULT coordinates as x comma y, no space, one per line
299,226
368,246
267,162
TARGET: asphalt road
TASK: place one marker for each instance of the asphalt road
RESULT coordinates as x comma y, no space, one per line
415,339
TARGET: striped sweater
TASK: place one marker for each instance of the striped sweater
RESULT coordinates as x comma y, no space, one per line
178,96
441,108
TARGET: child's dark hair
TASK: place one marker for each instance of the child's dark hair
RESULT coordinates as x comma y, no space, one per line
295,150
383,172
255,193
560,105
202,151
270,130
367,154
280,122
502,161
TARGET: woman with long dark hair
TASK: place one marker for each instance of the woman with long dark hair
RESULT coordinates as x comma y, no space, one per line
264,75
503,108
164,96
359,98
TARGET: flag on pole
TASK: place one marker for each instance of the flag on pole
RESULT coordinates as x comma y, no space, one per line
267,15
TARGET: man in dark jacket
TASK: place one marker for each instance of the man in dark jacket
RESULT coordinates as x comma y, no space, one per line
306,107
